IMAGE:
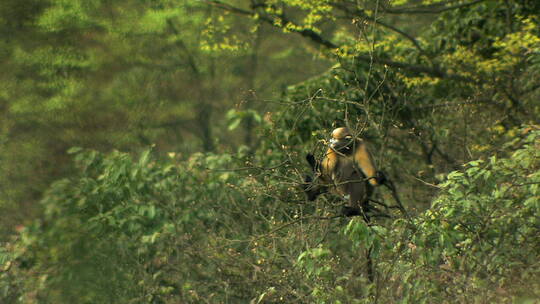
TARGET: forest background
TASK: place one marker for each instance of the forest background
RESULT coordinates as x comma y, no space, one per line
152,151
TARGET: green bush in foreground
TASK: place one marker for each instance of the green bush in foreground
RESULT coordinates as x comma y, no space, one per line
137,231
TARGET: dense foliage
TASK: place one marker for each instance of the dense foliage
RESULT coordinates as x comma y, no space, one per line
193,119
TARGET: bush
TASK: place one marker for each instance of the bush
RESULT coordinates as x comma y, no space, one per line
142,231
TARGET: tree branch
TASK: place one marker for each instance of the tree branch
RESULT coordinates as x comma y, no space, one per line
313,36
191,60
430,9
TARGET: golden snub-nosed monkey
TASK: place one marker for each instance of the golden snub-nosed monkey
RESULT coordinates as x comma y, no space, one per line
347,154
346,169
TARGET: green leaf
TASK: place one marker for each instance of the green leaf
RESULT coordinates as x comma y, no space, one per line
145,157
151,212
234,123
74,150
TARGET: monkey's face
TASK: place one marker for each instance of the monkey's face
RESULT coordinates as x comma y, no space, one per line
342,140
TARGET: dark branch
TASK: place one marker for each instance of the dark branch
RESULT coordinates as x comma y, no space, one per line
430,9
190,58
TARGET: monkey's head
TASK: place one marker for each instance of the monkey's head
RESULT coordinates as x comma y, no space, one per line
342,140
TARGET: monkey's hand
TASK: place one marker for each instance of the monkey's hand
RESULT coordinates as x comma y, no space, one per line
349,211
380,177
311,189
307,186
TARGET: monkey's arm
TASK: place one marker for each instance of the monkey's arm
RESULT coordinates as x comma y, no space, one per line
329,166
313,163
311,190
364,161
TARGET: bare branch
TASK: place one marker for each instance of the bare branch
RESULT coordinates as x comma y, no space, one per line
360,13
422,69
